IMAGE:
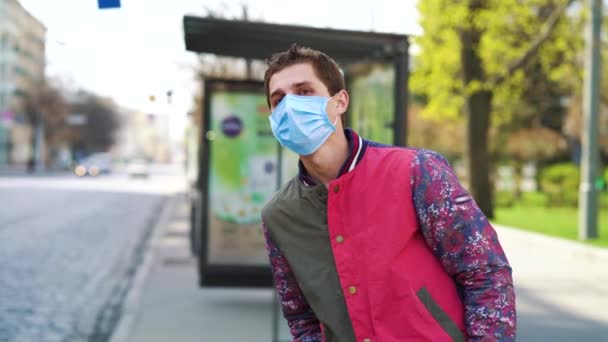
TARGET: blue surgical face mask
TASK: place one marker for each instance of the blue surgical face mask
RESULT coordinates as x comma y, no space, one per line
301,124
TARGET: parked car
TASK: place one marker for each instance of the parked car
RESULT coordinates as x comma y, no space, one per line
138,168
94,165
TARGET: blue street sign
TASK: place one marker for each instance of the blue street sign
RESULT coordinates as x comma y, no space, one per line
108,4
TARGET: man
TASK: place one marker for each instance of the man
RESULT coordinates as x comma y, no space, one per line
372,242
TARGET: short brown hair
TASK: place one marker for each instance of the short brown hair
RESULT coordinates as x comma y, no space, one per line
325,68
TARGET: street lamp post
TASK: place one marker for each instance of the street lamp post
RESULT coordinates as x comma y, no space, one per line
588,204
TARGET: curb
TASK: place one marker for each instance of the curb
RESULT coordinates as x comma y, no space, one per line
132,300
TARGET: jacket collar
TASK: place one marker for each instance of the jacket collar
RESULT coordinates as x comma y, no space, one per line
356,147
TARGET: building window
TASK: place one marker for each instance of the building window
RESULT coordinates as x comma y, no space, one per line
3,41
20,93
27,54
20,71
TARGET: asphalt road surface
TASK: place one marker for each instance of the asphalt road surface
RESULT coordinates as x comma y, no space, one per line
69,247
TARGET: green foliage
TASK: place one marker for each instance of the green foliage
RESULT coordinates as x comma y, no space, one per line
504,199
560,183
534,199
535,144
507,199
437,68
449,140
508,27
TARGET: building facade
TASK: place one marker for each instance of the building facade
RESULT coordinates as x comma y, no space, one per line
143,135
22,68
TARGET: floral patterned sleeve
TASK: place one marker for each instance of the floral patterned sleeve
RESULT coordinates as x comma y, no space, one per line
303,323
467,246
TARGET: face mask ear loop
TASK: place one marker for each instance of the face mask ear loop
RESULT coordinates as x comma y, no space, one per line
337,116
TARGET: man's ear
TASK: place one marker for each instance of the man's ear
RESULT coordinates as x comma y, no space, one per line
342,101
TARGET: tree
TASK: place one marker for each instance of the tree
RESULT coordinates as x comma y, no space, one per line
573,121
46,106
475,54
102,123
426,135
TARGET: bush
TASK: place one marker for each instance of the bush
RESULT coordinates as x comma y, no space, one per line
560,183
534,199
504,199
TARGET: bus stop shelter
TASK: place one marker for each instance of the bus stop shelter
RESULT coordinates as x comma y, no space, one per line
258,40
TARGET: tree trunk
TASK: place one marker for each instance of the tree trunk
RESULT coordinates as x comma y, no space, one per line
478,106
518,179
33,122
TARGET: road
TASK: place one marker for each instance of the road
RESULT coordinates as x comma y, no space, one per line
69,247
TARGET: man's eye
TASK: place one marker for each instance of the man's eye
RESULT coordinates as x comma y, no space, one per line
305,92
276,102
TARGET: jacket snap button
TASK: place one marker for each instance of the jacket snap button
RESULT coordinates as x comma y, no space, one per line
367,340
352,290
339,239
336,189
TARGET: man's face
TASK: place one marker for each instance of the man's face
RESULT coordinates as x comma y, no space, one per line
297,79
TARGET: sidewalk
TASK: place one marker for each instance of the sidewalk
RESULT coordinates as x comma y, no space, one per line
562,292
166,303
561,287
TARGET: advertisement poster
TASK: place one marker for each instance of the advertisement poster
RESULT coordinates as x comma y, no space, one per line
371,112
243,176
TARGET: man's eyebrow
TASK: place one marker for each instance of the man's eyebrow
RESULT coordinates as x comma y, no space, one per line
293,85
299,84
